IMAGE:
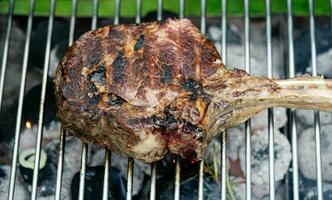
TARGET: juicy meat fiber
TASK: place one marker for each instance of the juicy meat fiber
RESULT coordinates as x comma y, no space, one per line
145,90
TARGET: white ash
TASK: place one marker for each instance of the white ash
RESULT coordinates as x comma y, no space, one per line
51,197
71,164
213,154
262,191
238,187
14,67
259,192
120,162
235,49
214,33
54,61
235,136
307,153
327,192
29,135
306,118
323,63
260,156
281,193
235,55
20,191
260,121
235,139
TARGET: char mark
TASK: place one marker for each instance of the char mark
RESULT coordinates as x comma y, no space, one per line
94,96
139,43
115,100
168,124
119,66
189,85
98,76
94,59
95,99
167,74
189,128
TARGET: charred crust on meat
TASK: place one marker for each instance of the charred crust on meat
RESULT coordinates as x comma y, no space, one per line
189,128
93,95
188,152
139,43
94,52
115,33
238,93
94,60
189,85
99,75
167,74
114,100
239,73
119,67
202,92
189,70
92,88
220,105
95,99
167,54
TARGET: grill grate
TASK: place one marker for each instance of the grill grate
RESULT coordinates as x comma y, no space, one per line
153,165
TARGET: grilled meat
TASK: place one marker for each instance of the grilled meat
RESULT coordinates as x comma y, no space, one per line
145,90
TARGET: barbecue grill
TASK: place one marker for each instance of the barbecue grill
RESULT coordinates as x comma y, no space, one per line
223,23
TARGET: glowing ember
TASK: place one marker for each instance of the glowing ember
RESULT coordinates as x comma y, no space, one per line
28,125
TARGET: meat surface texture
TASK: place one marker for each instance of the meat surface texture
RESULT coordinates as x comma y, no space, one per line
149,89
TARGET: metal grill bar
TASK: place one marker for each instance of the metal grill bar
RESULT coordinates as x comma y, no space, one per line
270,111
154,165
331,13
60,165
316,113
247,123
95,14
201,180
203,16
181,8
153,181
42,101
106,174
84,158
5,49
72,22
160,10
20,101
117,12
201,162
293,128
108,152
63,132
85,146
224,134
177,159
130,174
138,11
177,179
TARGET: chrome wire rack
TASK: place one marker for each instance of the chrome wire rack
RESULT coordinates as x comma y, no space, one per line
223,24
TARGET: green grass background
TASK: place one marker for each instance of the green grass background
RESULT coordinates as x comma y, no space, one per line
192,7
